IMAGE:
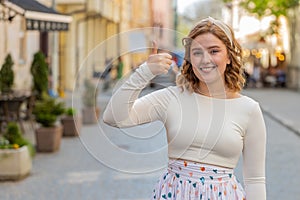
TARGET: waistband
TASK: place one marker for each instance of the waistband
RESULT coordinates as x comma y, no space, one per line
198,171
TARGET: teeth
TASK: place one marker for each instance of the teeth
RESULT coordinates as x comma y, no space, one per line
207,69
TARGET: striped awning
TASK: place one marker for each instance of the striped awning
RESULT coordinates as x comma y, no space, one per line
38,16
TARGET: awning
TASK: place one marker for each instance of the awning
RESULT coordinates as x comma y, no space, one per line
38,16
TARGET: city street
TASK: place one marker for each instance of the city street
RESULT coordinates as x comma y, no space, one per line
100,163
59,58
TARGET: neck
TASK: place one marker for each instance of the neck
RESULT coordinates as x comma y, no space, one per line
213,90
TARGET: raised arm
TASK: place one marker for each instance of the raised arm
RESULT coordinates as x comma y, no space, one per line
254,156
126,109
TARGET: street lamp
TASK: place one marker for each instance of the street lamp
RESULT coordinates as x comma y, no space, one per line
175,21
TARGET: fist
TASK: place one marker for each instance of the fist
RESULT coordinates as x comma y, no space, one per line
159,63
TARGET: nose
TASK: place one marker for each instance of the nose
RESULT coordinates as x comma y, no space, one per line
206,58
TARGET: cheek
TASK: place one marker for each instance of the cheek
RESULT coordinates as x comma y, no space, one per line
222,63
222,67
197,72
195,60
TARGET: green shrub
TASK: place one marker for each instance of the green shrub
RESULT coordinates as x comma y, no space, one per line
70,111
7,75
47,111
13,139
39,72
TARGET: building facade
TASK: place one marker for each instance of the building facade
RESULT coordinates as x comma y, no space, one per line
104,30
87,36
294,65
25,28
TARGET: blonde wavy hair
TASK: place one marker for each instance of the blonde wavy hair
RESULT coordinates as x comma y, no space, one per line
234,73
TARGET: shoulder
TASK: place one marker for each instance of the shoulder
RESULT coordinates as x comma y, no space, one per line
174,89
178,91
170,91
248,100
251,105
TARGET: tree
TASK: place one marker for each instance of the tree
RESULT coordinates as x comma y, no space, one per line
276,8
7,75
263,8
39,71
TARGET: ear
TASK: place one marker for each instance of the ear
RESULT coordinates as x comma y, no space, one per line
228,61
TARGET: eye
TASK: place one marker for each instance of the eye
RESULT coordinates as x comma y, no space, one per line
197,53
214,51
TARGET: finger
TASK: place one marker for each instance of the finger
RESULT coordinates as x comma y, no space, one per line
166,55
167,62
154,48
165,71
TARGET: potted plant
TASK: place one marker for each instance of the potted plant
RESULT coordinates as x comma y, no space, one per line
48,135
71,122
90,110
7,75
16,154
39,72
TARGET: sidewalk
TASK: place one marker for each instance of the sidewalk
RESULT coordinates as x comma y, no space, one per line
281,105
99,163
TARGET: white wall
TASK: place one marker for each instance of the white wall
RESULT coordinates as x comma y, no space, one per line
11,37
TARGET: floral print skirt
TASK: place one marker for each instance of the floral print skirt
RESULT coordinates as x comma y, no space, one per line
186,180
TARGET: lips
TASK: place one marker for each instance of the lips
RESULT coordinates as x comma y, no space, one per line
208,68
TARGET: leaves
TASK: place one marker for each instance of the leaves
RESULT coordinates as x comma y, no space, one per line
70,111
7,74
13,139
39,71
47,110
263,8
267,7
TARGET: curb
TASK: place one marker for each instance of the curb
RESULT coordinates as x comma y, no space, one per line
281,121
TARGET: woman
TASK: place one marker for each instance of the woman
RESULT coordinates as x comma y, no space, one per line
209,124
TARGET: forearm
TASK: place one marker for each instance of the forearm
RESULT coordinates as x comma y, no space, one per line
255,191
254,154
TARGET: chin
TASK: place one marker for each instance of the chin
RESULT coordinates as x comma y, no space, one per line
209,78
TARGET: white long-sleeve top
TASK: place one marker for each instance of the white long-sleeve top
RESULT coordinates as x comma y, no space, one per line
199,128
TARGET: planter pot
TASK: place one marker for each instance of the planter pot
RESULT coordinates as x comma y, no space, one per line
48,138
90,115
71,125
15,164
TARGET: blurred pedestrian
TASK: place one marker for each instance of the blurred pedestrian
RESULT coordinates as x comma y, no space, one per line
106,74
120,67
209,124
255,78
281,78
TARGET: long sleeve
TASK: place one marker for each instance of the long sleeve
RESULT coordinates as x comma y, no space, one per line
126,109
254,152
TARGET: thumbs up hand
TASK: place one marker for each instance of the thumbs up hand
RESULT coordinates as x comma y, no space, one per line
159,63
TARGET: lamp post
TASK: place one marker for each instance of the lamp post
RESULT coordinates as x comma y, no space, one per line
55,62
175,21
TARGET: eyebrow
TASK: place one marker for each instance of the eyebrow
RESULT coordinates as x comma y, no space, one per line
197,49
211,47
215,46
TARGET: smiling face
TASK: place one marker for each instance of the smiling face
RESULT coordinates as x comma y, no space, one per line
208,56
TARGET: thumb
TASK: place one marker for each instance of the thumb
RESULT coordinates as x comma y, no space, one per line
154,48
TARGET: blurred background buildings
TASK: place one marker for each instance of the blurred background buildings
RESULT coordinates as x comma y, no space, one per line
93,34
